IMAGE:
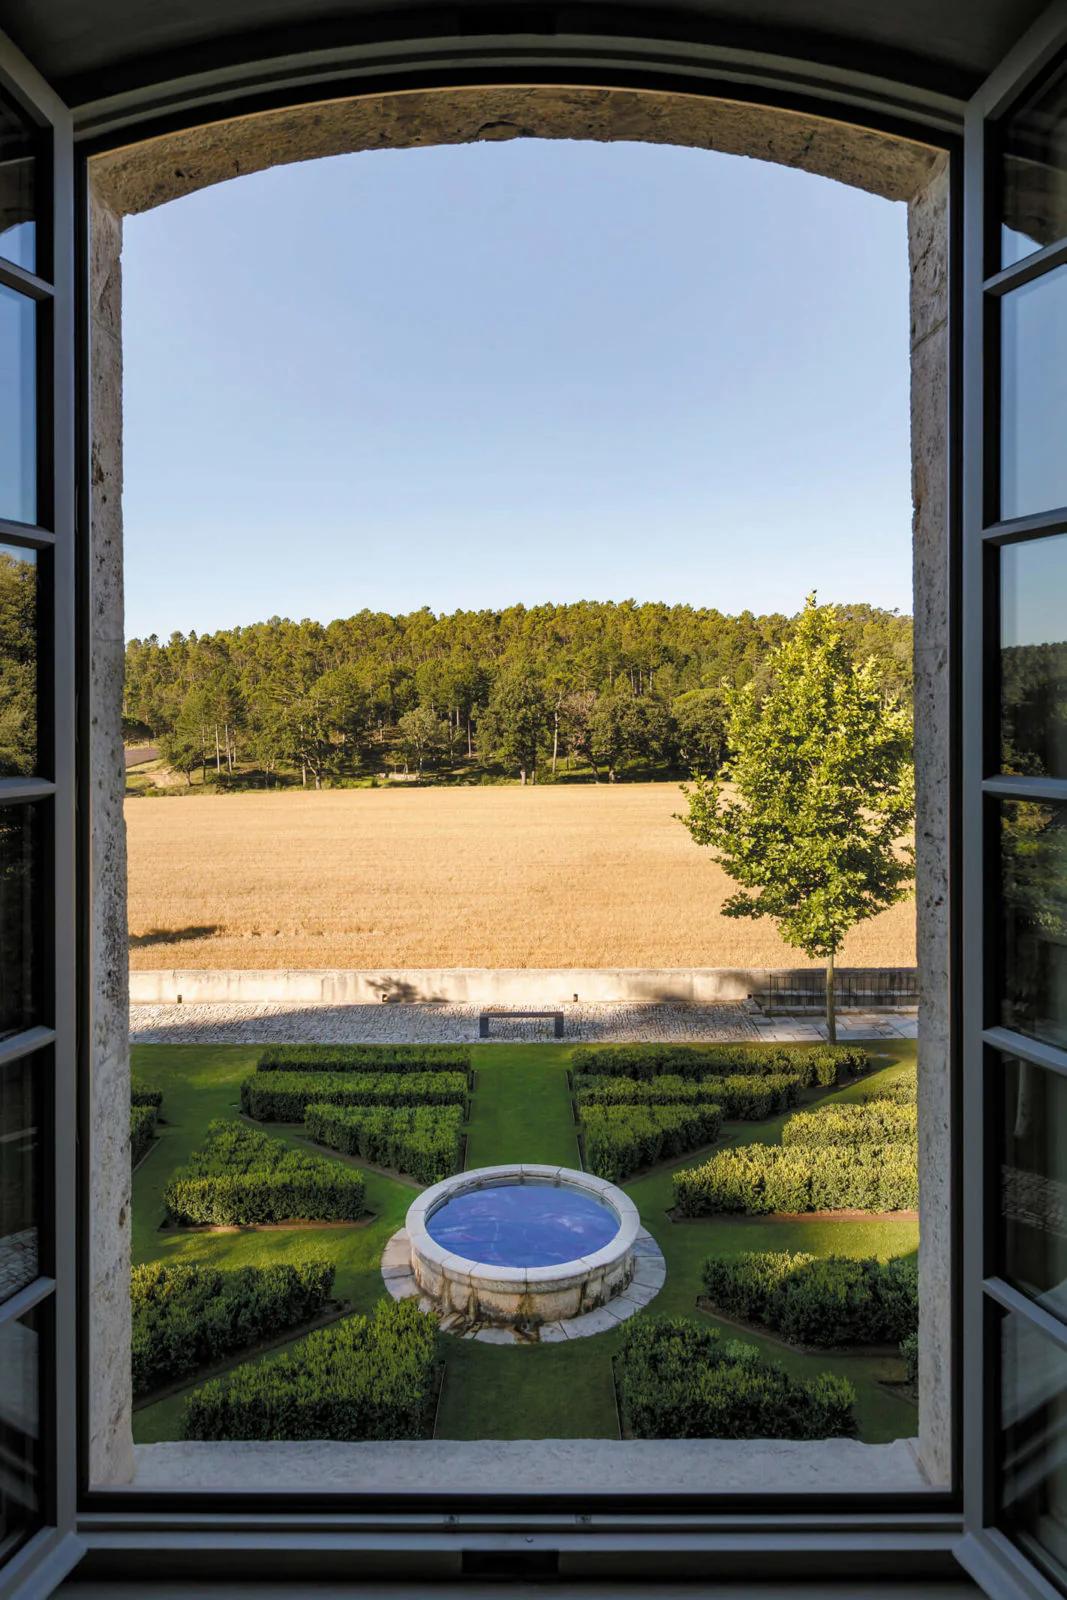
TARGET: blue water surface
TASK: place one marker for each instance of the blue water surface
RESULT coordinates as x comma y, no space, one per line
523,1225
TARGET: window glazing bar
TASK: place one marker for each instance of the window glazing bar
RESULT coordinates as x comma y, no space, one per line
1012,788
23,533
1017,1044
1031,527
33,1294
17,791
1021,1305
24,1044
1026,270
27,283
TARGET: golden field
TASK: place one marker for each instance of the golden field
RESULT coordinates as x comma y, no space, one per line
589,876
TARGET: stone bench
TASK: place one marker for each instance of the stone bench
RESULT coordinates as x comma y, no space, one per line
487,1016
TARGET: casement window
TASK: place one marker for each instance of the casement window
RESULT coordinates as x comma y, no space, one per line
995,485
1014,601
38,1355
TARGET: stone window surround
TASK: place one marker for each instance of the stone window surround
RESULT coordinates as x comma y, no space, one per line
140,176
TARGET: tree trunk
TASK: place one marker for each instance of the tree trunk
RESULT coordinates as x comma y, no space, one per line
218,753
470,747
555,740
303,775
522,776
831,1008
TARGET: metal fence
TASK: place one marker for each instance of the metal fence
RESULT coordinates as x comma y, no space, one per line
855,988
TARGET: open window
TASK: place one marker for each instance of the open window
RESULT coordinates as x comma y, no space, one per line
38,1353
1015,819
997,1363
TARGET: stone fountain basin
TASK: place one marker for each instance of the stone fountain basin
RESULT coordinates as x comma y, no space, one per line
486,1292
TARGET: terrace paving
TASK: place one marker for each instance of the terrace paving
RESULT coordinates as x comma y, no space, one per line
439,1023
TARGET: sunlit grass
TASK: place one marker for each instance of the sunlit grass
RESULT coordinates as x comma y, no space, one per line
521,1112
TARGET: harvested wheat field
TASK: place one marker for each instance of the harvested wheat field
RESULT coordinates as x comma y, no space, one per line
591,876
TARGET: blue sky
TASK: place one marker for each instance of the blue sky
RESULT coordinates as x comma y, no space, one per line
514,372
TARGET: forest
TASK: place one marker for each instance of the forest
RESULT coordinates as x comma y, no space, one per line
597,689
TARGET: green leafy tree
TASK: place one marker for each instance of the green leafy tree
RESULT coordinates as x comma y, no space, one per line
517,721
625,726
700,724
423,736
818,792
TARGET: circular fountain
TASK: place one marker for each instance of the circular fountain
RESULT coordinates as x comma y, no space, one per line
522,1244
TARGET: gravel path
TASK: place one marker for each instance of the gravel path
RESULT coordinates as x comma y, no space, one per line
220,1023
458,1024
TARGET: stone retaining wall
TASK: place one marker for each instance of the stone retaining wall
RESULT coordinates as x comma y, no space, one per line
534,987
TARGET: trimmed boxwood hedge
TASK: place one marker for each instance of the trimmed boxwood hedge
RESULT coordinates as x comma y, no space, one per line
145,1094
282,1096
903,1091
748,1098
827,1300
909,1354
142,1131
814,1065
874,1122
620,1139
363,1378
365,1058
240,1176
423,1140
185,1317
758,1178
678,1379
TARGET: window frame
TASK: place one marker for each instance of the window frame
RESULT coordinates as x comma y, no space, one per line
925,1526
928,1522
47,1553
992,1556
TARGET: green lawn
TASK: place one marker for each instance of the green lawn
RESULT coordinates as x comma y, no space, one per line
521,1112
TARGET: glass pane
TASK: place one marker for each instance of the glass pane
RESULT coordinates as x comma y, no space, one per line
1034,169
20,891
20,1427
18,407
1034,1435
1033,657
1033,860
18,228
18,662
1033,461
1033,1170
20,1173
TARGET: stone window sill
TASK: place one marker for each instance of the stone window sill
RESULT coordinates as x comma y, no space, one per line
538,1466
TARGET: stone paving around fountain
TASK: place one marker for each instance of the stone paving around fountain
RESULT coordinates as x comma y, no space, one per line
430,1022
648,1279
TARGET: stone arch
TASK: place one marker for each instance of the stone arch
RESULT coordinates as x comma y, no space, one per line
136,177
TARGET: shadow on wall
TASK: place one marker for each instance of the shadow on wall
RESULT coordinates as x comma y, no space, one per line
401,991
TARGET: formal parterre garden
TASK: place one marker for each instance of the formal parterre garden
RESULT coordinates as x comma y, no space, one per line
780,1183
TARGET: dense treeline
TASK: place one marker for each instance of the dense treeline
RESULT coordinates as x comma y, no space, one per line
1034,709
612,689
18,665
